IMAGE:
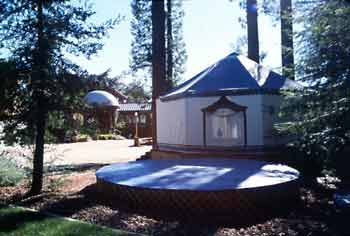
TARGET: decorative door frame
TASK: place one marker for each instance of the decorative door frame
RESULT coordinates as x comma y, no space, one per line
225,103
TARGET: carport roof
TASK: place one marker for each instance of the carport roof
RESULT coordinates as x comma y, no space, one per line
129,107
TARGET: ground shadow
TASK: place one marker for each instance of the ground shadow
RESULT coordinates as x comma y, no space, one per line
68,168
14,219
70,204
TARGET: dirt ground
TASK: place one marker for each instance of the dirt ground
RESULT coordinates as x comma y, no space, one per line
96,152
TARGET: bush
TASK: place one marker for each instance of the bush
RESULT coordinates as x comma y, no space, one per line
341,164
106,137
10,172
309,164
80,138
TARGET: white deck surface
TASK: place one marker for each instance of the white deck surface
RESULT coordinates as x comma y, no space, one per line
197,174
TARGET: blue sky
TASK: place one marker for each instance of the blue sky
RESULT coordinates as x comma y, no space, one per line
210,30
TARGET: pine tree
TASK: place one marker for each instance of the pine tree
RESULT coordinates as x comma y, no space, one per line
286,15
279,11
319,116
38,34
141,46
141,30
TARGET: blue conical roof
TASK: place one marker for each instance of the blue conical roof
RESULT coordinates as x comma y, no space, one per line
234,74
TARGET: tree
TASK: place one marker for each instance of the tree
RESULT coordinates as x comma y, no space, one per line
287,52
38,34
252,30
282,11
169,47
320,115
8,85
141,46
279,11
158,61
136,92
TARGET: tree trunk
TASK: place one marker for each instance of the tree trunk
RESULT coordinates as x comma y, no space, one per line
38,161
287,39
169,71
158,60
253,33
39,76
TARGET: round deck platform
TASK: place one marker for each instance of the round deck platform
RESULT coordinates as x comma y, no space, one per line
220,187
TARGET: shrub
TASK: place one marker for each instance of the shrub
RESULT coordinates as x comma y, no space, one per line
80,138
10,172
106,137
341,164
310,164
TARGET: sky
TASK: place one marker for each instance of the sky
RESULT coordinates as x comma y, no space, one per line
210,28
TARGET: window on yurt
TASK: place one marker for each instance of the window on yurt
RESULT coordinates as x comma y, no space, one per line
225,128
224,124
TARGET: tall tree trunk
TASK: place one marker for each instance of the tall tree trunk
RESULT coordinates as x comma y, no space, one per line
253,33
158,60
287,38
40,74
38,161
169,55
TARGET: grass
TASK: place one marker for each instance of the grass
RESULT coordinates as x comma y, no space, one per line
15,221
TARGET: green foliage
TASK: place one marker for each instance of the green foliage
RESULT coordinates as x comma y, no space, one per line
90,128
320,115
82,138
10,172
41,84
106,137
18,221
38,35
137,92
341,163
310,161
141,46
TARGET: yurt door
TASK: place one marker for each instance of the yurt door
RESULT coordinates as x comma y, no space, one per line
224,124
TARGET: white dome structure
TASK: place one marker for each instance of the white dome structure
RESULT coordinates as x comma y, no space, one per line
101,98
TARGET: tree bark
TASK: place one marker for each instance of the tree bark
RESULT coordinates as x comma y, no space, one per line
253,33
40,67
38,161
287,39
158,60
169,55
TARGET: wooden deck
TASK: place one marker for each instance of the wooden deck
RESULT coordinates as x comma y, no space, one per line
216,187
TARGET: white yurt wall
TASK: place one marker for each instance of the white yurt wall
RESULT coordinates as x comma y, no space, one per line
271,107
195,118
171,122
180,122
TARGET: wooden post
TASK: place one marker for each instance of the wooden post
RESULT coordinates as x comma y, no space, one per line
287,39
253,33
136,136
158,60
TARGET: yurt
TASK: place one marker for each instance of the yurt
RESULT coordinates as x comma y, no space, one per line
227,109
